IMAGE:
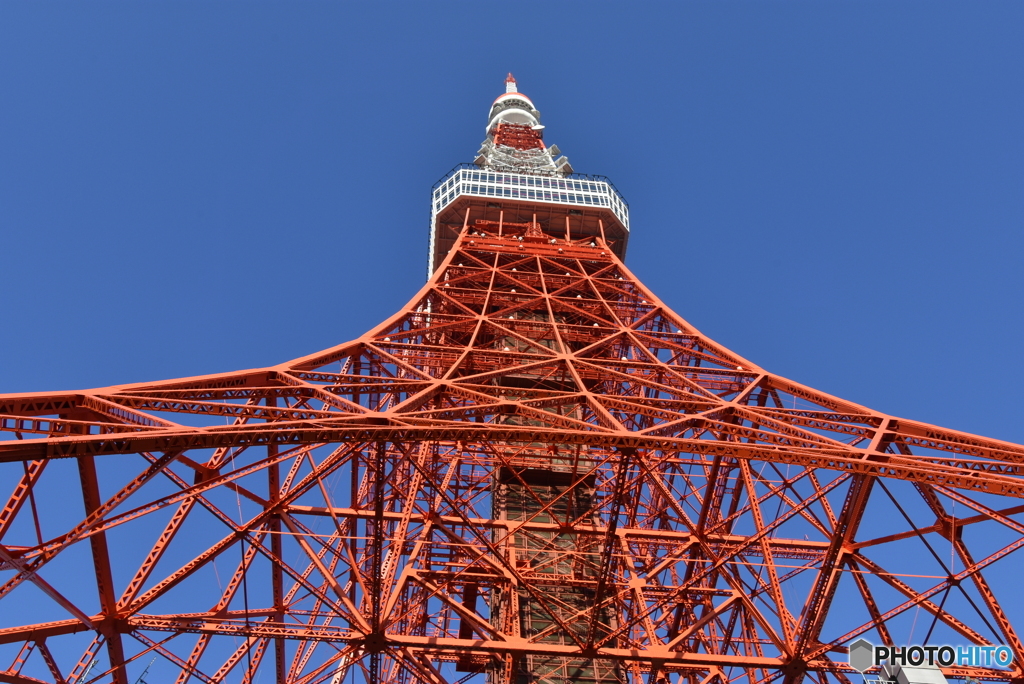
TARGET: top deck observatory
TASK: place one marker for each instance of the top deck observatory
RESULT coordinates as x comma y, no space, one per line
517,179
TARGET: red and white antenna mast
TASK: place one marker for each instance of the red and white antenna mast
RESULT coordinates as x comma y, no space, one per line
515,137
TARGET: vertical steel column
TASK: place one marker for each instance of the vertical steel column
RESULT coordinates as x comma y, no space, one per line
276,572
101,564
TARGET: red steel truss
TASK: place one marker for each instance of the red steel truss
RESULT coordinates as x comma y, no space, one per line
331,517
519,136
534,472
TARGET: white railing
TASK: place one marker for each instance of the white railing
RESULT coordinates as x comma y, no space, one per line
577,190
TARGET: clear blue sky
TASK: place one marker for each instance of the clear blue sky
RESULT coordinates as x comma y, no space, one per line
833,190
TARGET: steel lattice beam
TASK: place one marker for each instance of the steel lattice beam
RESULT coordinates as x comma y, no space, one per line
683,513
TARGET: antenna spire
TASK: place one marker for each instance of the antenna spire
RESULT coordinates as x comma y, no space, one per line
510,84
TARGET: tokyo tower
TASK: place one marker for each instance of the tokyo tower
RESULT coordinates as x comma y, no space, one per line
535,471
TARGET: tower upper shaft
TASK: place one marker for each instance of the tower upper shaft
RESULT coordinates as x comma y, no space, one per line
516,178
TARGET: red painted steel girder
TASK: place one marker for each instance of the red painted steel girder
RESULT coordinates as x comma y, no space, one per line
327,517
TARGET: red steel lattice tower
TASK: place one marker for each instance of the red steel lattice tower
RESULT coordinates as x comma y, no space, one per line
534,472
